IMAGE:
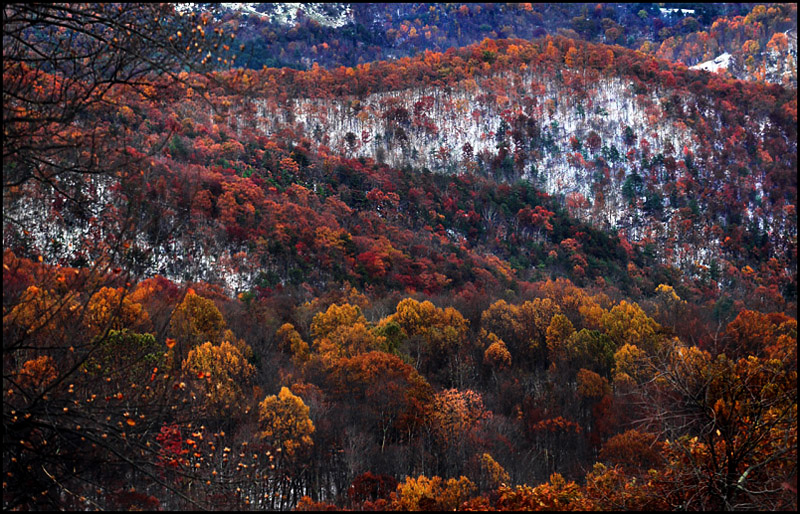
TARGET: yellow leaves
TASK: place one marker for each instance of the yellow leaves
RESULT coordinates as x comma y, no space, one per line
668,292
592,385
631,362
225,370
493,471
627,323
425,493
559,330
196,320
289,340
285,422
442,329
523,326
325,323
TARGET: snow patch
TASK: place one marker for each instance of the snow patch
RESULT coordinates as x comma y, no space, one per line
715,64
665,10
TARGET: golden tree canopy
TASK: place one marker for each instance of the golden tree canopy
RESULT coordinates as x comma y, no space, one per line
284,422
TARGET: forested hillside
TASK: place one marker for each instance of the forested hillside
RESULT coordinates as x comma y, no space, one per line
496,271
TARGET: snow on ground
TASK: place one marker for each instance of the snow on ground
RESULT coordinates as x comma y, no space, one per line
464,115
715,64
676,11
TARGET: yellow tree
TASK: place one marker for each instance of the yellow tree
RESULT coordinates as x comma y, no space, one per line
221,373
284,423
435,335
559,330
423,493
110,309
501,319
627,323
534,317
523,327
556,495
492,473
196,320
669,306
325,323
590,349
631,366
442,329
290,341
286,428
496,354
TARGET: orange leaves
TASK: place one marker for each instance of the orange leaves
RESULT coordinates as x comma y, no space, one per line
423,493
37,373
170,343
573,57
592,385
750,333
288,165
496,354
40,310
557,495
456,413
557,425
111,308
131,422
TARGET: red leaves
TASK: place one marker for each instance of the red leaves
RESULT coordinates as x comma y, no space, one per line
538,217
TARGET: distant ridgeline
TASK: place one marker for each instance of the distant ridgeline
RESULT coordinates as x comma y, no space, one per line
681,160
279,176
761,39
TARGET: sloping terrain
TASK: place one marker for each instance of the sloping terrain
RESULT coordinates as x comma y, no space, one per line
513,275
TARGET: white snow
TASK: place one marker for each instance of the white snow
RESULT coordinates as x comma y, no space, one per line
715,64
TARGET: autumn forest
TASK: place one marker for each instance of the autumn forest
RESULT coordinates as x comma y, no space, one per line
399,257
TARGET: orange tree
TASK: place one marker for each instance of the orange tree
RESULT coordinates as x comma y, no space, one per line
84,388
730,427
